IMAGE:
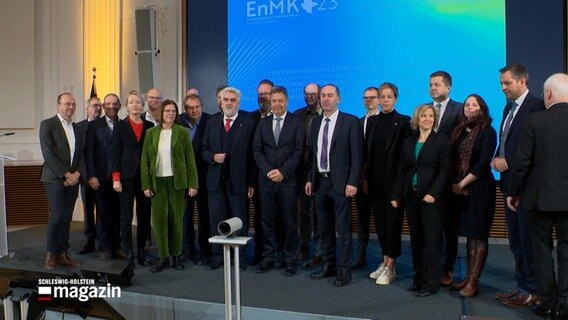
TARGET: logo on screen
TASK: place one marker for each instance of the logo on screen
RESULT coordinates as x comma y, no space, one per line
274,9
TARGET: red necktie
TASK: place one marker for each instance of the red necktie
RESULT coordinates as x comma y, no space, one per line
228,124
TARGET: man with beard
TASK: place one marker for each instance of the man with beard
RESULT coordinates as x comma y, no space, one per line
98,159
263,97
306,115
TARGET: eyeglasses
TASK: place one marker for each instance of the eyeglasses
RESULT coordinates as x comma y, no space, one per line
95,105
69,104
369,97
264,93
154,98
310,94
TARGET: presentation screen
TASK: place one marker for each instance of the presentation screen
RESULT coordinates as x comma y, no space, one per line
360,43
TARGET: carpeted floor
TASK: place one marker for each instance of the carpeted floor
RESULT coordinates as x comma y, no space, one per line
272,290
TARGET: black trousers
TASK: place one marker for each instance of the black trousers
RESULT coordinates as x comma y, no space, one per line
203,229
225,203
334,210
388,220
363,221
425,225
88,198
132,190
552,289
450,227
519,243
278,203
108,216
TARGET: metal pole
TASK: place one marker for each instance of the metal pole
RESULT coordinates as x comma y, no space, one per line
237,282
228,289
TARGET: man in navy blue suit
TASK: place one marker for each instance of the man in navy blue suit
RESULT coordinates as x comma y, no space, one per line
195,120
227,148
521,103
277,148
449,114
539,175
336,150
98,160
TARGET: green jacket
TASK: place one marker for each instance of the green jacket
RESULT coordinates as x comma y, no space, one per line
183,166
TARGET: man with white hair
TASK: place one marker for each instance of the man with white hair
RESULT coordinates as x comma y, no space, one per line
539,178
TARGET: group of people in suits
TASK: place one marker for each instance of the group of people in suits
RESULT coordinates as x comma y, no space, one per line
436,165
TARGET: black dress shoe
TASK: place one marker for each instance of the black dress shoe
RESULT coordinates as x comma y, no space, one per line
264,266
291,269
176,263
413,288
423,293
160,265
325,272
542,310
203,261
88,248
141,257
214,264
255,260
343,278
361,262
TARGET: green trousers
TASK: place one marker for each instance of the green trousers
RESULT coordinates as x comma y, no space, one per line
168,205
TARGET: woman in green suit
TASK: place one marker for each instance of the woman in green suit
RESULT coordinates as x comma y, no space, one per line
168,173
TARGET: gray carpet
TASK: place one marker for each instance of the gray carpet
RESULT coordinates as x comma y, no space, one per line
272,290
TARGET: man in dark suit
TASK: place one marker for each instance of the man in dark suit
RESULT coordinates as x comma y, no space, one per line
371,103
195,120
514,79
94,109
306,116
227,148
98,159
277,148
334,176
539,175
449,114
62,144
263,98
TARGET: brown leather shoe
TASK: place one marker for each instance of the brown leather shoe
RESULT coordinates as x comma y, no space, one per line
523,299
119,254
50,261
316,261
64,259
446,279
504,296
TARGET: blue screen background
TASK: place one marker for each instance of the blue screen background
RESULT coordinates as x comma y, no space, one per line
360,43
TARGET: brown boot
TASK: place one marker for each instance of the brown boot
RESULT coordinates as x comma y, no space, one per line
472,287
64,259
50,261
470,252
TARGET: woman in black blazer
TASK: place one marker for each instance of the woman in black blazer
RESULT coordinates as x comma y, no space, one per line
423,174
128,139
473,143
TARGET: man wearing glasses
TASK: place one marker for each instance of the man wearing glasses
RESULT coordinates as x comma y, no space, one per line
154,99
94,110
306,115
371,104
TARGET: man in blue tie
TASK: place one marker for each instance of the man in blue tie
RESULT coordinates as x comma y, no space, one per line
336,150
278,148
514,80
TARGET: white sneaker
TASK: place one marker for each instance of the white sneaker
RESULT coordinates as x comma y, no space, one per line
375,274
387,277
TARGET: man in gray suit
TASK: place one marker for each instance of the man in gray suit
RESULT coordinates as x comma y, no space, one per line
62,143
